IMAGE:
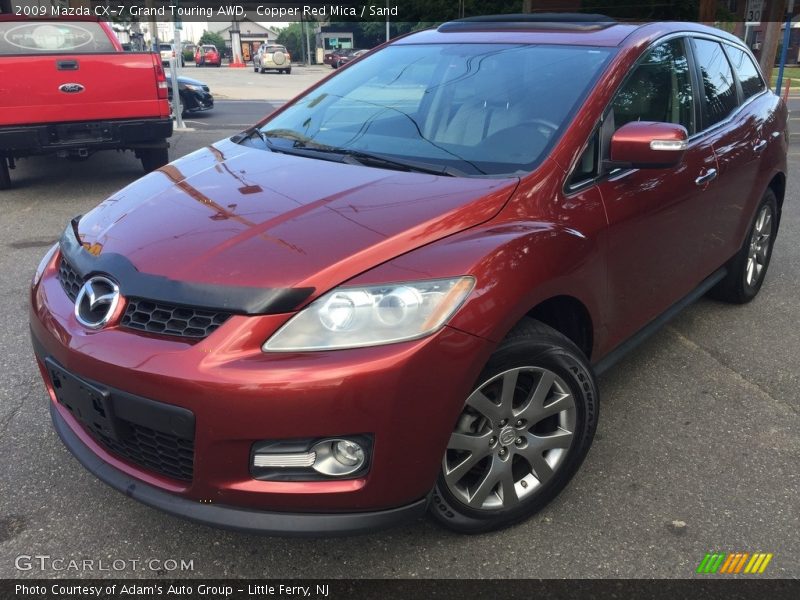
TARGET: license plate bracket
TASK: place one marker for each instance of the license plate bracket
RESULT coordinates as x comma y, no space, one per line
89,404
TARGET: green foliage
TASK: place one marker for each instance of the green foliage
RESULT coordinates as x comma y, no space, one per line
645,10
209,37
188,56
292,38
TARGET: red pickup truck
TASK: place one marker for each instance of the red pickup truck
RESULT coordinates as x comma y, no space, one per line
67,88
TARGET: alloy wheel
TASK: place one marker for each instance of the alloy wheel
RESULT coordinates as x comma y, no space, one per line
758,254
513,434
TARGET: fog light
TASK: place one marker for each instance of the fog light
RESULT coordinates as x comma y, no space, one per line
338,457
348,453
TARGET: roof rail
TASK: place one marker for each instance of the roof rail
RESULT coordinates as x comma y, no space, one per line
553,20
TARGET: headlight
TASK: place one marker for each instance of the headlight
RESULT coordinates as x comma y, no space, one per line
44,262
194,88
352,317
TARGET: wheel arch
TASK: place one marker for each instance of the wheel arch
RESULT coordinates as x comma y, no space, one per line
778,185
570,317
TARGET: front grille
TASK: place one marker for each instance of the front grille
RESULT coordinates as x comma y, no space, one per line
153,317
166,319
69,278
161,452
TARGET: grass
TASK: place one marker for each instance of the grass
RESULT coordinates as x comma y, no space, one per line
792,73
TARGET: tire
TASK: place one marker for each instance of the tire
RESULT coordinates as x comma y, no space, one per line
153,158
740,285
489,457
5,174
288,71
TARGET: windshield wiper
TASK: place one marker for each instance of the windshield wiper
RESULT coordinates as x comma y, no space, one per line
400,164
306,146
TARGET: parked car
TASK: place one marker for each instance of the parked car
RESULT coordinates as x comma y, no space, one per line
70,90
274,57
344,57
394,293
350,56
195,95
332,58
207,55
167,52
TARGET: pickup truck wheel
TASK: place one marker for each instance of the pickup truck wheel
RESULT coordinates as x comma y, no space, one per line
523,433
746,270
5,175
153,158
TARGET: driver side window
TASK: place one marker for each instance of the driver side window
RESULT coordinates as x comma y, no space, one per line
658,89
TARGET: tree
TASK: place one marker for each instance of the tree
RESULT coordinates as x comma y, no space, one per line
209,37
292,38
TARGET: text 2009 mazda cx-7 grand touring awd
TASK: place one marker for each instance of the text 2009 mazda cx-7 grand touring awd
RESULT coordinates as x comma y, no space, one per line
394,293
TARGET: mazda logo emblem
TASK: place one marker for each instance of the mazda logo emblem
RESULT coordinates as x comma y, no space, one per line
96,302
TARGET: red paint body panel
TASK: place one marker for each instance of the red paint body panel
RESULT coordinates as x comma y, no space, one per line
626,247
232,205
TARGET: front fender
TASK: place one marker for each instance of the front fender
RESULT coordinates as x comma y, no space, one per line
516,264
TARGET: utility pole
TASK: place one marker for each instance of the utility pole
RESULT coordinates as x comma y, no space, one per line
773,18
787,33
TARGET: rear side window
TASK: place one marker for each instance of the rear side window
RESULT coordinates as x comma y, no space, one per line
746,71
719,88
658,89
41,37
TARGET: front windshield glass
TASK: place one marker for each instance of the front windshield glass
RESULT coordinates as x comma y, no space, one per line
484,109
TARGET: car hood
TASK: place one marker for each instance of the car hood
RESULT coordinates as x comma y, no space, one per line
182,79
232,215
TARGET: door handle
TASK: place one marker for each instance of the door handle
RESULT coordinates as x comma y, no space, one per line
759,146
709,175
67,65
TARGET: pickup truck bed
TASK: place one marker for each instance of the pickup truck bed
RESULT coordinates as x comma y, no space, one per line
67,88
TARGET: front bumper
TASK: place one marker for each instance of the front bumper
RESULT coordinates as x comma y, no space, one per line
194,101
229,517
407,396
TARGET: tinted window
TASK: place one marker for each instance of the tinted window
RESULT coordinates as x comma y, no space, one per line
719,89
480,108
53,36
746,71
659,89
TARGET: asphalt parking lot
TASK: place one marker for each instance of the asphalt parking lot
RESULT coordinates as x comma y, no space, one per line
697,450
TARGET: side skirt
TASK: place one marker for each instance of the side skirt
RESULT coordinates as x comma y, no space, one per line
653,326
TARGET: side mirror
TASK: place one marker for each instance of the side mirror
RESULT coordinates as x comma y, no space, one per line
647,144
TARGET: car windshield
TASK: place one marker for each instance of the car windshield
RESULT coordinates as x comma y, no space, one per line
165,47
209,48
481,109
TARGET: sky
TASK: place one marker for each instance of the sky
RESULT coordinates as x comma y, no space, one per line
193,30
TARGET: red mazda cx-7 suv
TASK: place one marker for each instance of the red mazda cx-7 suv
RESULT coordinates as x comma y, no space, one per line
393,294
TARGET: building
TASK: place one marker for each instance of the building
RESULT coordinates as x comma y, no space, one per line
251,33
